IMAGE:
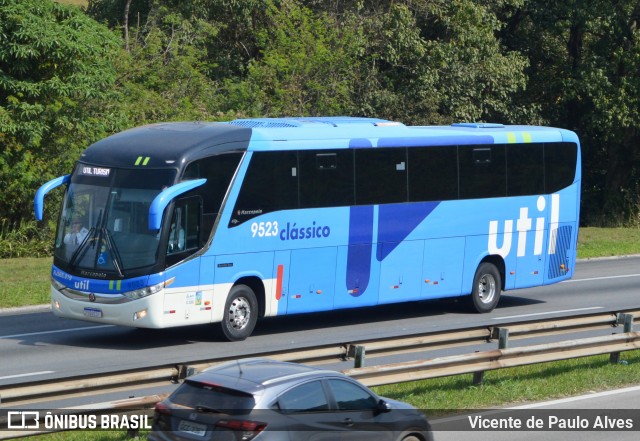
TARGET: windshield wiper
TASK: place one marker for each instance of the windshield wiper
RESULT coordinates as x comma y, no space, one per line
115,255
82,250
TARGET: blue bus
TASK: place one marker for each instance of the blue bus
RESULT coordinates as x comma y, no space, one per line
183,223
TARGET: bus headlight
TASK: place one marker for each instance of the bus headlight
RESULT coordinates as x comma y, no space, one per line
143,292
140,315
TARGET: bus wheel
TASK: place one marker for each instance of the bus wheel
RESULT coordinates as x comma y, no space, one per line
241,313
486,288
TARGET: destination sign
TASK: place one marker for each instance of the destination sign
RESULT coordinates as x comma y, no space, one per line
87,170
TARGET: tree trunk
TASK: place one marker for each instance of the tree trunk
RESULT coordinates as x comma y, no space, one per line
125,24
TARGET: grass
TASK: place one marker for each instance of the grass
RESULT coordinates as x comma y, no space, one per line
519,385
604,242
25,281
97,435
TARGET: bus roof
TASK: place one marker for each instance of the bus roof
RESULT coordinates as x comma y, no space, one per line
167,144
174,143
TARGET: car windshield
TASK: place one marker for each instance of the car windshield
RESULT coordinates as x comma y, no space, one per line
212,398
104,221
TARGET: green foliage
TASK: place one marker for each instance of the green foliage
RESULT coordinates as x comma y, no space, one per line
25,240
584,63
163,76
476,77
305,65
55,69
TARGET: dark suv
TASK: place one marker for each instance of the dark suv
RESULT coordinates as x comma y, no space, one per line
260,399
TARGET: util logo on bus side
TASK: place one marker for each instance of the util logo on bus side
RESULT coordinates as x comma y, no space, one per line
524,224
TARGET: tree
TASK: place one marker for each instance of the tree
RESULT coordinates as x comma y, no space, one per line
434,61
306,65
56,70
585,56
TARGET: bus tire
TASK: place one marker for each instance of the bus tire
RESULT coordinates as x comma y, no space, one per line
487,284
240,313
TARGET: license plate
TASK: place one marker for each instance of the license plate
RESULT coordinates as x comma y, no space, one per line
192,428
93,312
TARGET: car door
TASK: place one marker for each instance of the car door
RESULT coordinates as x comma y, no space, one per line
306,413
358,411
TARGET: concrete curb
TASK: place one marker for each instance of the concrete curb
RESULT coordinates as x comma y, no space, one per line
32,309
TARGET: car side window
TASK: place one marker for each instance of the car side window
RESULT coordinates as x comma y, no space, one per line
308,397
350,396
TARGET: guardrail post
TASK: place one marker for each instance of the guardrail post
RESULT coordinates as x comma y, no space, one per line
359,353
503,338
503,343
627,323
478,377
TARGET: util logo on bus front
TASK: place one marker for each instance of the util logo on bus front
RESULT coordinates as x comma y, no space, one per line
524,224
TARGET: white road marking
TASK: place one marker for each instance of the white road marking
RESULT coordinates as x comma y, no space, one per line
601,278
30,374
56,332
578,398
549,312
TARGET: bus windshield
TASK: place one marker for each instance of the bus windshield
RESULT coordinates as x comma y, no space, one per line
104,221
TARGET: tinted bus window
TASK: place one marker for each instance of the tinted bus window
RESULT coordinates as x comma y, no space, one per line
525,169
218,171
381,176
482,171
270,184
433,174
560,165
326,178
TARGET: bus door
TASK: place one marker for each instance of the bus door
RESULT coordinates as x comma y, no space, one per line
400,270
188,287
184,301
531,247
312,280
442,268
357,276
530,267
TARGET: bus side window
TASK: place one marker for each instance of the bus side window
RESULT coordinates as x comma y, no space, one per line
433,173
482,171
525,169
381,176
270,184
560,159
326,178
184,229
218,170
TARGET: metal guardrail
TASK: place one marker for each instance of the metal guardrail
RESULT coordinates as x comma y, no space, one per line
496,359
23,394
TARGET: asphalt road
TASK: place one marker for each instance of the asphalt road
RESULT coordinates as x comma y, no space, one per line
35,345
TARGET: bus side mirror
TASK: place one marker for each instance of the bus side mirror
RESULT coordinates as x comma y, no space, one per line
165,197
38,202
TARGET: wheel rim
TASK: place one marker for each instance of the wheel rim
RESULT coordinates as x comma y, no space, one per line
486,288
239,313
